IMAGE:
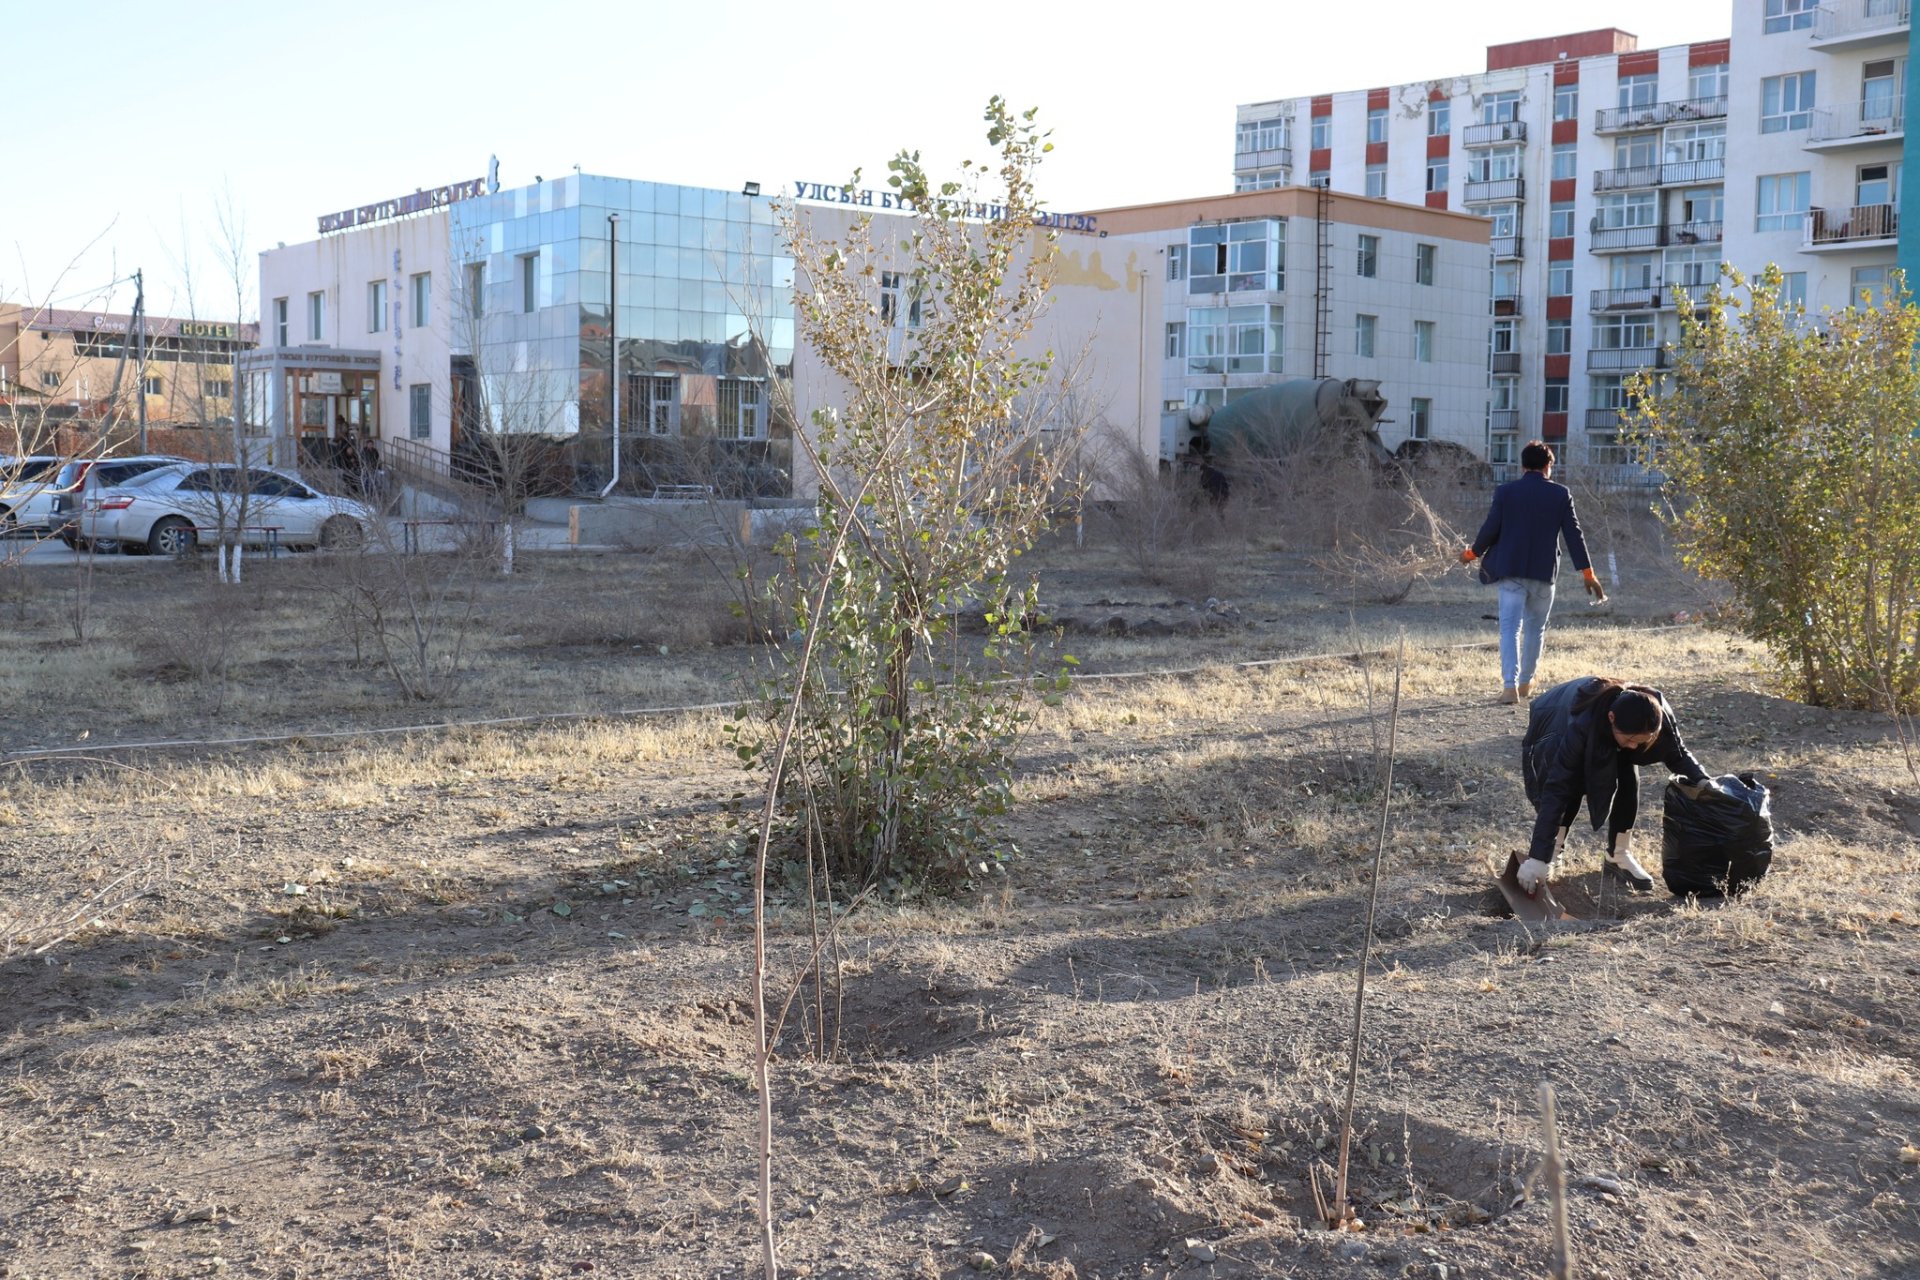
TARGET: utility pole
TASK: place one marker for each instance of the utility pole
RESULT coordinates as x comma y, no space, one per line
140,354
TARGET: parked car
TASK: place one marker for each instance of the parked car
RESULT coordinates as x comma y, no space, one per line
171,509
25,495
86,476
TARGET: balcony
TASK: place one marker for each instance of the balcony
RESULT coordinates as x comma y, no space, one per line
1503,419
1648,297
1626,359
1682,172
1505,247
1493,135
1496,189
1654,115
1605,419
1506,362
1864,226
1858,124
1266,158
1508,303
1634,239
1849,24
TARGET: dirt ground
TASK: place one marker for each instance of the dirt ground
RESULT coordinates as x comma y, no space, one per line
473,1002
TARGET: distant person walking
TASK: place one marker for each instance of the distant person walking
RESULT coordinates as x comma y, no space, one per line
1585,741
1519,550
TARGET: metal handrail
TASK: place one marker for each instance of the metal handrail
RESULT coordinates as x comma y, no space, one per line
1660,175
1855,17
1866,121
1862,222
1491,189
1488,135
1652,116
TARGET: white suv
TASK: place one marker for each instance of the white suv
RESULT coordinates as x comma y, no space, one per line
26,492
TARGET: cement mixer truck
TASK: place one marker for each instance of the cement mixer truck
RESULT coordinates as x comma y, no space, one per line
1328,419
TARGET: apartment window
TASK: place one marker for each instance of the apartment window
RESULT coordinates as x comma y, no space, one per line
1879,93
422,297
420,410
1787,15
1321,132
1566,102
1177,340
1439,118
1559,279
1247,339
1555,400
1703,204
1793,291
1560,219
1786,102
1368,263
1364,329
1635,150
1632,271
1874,184
1498,108
661,406
529,282
1501,338
1503,448
1559,336
1377,181
1638,91
1625,209
376,306
1565,160
1423,255
1176,262
1496,164
1505,219
890,309
316,316
1504,393
152,385
1782,201
1691,268
1260,180
48,378
1376,125
739,405
1624,332
476,289
1696,142
1419,417
280,323
1236,257
216,388
1707,82
1506,279
1868,286
1423,341
1260,135
1439,174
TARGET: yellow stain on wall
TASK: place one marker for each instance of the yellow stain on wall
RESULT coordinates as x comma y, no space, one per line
1072,267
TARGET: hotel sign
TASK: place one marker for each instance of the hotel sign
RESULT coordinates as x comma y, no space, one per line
380,211
201,329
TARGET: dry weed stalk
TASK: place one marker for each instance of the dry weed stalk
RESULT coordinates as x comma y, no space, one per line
1387,565
44,920
1554,1174
1339,1211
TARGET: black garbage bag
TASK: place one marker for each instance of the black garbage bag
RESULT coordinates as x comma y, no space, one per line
1716,836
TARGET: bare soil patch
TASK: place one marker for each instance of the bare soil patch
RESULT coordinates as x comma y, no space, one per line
474,1002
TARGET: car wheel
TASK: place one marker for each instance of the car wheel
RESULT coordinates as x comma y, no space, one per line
171,537
341,531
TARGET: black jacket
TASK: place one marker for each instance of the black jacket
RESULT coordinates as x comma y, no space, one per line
1568,755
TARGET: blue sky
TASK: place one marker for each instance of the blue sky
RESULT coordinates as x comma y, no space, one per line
132,125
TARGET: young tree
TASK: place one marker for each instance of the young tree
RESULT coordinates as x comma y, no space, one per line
933,480
1791,451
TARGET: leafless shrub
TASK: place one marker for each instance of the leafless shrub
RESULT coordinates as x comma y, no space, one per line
1163,521
410,610
200,643
83,897
1412,543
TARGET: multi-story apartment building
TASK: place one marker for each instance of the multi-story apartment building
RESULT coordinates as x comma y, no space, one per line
1606,173
1269,285
86,366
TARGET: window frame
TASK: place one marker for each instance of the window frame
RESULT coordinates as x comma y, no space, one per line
1366,263
420,287
280,323
1425,256
376,306
1376,125
317,316
419,423
1366,335
1439,117
1785,118
1425,336
1781,217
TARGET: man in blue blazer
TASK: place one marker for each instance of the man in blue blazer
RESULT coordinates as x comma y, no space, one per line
1519,549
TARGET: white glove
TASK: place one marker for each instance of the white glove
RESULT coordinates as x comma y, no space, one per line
1533,873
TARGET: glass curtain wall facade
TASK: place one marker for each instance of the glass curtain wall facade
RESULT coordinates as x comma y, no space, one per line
704,326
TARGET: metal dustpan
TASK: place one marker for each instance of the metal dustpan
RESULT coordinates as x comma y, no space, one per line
1538,907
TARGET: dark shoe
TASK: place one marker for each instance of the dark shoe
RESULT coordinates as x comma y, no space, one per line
1508,696
1624,866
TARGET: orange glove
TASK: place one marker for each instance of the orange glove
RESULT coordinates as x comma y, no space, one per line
1467,556
1594,589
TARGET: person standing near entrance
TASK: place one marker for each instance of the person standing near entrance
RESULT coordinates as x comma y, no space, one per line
1519,550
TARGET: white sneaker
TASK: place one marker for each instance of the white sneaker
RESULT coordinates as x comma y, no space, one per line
1627,867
